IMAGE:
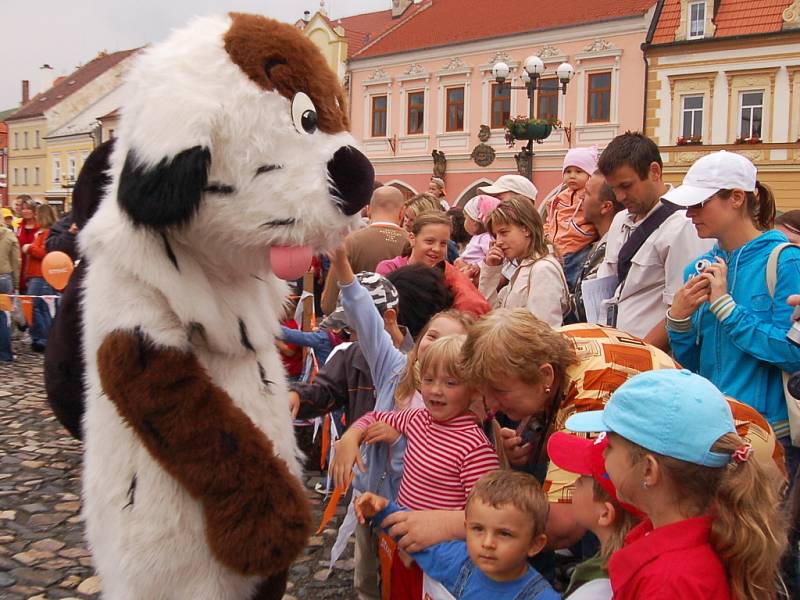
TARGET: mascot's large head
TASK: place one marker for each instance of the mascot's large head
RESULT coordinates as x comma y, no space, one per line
235,138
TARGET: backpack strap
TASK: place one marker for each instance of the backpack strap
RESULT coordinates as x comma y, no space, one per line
772,266
533,588
639,237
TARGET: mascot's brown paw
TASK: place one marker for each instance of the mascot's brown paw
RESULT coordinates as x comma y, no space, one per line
257,515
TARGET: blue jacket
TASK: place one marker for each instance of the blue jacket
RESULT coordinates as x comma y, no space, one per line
387,365
318,340
743,351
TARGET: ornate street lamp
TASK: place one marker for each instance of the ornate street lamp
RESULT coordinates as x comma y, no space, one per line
532,70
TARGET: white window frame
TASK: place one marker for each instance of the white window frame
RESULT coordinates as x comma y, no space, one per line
750,108
684,110
36,138
24,175
371,105
25,139
56,169
72,165
690,35
406,110
36,176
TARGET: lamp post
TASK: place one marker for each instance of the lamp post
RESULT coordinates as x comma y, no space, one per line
532,70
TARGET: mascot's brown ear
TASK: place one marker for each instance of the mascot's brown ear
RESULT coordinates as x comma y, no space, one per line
167,194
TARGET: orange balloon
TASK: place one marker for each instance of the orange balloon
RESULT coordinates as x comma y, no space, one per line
57,268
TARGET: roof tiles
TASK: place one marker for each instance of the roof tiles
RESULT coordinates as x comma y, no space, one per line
733,18
70,84
445,22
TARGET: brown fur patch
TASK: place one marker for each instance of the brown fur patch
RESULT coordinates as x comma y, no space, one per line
257,515
296,65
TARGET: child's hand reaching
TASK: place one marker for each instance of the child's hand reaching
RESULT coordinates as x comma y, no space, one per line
381,432
345,455
368,505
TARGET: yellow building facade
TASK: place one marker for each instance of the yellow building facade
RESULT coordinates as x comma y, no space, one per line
27,158
713,84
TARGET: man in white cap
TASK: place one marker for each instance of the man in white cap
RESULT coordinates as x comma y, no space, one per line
511,184
649,243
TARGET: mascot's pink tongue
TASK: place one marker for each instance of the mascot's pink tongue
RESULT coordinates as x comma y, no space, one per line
290,262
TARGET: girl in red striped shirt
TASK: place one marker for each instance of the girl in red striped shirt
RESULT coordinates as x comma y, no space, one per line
446,453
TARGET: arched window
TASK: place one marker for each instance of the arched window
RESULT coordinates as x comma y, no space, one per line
472,191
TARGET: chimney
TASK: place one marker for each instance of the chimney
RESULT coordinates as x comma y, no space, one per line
26,91
46,77
306,15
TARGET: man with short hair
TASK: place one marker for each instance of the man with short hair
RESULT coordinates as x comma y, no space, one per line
649,243
382,239
600,206
506,185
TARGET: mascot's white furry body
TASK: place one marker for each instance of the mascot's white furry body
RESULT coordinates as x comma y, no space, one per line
226,148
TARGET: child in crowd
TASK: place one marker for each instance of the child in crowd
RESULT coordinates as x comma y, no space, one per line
566,225
595,507
506,513
538,283
714,526
476,213
291,353
446,449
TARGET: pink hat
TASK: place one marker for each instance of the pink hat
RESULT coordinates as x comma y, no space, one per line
479,207
583,158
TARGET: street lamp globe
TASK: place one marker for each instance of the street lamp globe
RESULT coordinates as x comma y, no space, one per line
500,71
565,72
534,66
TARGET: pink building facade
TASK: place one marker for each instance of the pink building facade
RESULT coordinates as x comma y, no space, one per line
408,102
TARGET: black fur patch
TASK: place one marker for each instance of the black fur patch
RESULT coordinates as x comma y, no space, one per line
243,335
131,492
220,188
263,375
353,179
170,254
167,194
270,63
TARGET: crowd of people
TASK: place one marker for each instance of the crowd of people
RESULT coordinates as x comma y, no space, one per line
496,442
502,429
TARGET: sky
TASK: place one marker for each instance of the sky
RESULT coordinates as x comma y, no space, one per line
68,34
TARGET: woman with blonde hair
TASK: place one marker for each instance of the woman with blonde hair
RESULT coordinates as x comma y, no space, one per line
538,283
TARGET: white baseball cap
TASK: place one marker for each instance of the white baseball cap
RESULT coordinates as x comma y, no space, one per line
511,183
711,173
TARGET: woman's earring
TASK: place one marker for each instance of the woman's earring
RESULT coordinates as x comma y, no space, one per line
546,389
645,485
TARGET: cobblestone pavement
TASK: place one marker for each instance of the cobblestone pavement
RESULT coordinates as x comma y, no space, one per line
42,551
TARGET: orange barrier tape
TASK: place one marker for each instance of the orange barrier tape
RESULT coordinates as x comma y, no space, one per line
330,510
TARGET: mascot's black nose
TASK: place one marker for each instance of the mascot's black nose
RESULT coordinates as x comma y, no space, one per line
353,178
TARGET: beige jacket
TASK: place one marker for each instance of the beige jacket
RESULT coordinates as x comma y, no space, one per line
538,285
9,254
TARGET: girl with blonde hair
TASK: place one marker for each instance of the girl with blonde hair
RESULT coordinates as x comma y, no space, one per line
714,526
538,283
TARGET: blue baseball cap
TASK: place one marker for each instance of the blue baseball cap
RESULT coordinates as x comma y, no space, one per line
669,411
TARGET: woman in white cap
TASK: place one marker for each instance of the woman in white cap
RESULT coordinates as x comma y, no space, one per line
726,323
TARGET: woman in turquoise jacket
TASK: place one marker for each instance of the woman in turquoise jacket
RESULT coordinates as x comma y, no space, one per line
724,323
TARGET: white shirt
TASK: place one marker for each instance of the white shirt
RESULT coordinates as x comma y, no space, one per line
656,269
596,589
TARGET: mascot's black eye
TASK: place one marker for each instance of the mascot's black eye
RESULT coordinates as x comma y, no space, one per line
304,114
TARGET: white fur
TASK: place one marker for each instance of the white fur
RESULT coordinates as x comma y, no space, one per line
186,92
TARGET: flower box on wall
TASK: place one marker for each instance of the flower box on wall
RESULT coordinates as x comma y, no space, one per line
751,140
694,140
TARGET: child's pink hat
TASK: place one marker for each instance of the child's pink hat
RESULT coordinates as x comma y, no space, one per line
583,158
480,207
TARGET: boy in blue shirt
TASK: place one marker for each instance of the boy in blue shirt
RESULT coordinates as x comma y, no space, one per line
506,513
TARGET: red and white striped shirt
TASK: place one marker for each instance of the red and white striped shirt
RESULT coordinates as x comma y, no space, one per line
443,460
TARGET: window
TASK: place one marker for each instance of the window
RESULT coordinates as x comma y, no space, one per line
71,167
378,117
16,176
501,105
56,170
111,134
36,176
599,98
547,102
455,109
37,139
25,176
416,112
16,140
692,116
752,108
25,139
697,20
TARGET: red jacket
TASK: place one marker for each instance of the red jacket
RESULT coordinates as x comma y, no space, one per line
36,252
673,561
466,296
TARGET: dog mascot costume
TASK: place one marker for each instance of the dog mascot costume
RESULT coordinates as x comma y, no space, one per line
232,159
